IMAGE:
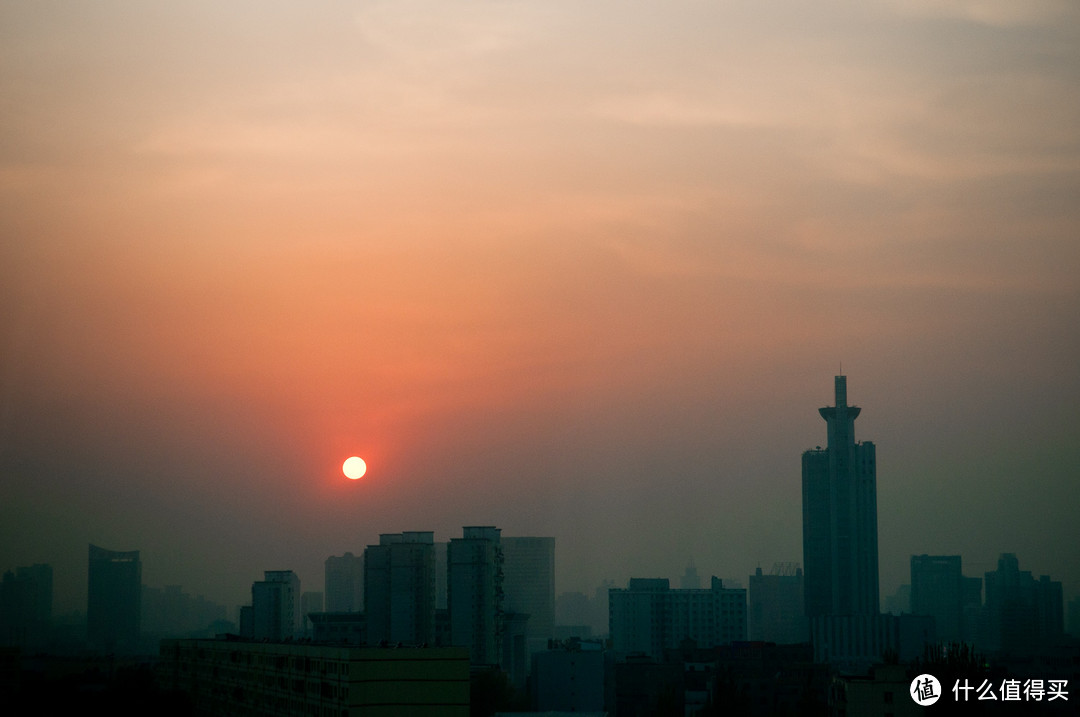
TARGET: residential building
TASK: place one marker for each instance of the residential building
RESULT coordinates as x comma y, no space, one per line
344,583
649,617
275,606
529,586
237,677
399,588
475,593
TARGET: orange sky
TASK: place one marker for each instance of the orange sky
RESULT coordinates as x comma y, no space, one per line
573,271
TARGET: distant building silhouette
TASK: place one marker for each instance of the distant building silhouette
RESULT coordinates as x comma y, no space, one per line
114,600
900,601
529,586
777,606
690,579
1023,615
26,598
171,612
275,606
475,594
840,551
310,602
852,643
344,583
399,588
1073,617
649,617
939,589
580,615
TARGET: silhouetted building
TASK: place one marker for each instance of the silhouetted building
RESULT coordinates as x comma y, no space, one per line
399,588
246,620
760,679
26,606
649,617
475,594
235,677
642,686
114,600
26,597
939,589
275,606
310,602
569,677
690,579
900,601
171,612
1073,623
442,569
344,583
852,643
840,551
339,628
1023,615
883,692
514,653
777,606
529,586
578,610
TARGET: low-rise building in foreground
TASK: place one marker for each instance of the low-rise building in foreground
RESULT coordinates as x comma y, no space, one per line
238,677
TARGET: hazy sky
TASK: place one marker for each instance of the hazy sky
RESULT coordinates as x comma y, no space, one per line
582,269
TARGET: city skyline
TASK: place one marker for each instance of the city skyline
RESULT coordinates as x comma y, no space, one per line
580,272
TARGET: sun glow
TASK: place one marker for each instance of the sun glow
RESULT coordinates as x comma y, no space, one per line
354,468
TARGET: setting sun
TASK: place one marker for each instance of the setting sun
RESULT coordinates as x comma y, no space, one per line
354,468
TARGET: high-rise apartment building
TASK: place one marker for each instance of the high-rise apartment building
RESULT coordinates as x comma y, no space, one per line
399,588
840,551
114,600
344,583
275,606
529,585
475,593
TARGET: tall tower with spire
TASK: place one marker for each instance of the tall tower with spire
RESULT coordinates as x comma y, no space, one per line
839,487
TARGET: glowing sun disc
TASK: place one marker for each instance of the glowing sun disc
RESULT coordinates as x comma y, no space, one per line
354,468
